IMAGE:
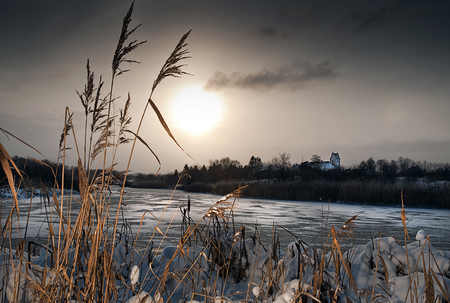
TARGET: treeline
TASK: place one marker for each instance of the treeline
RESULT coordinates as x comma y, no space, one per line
280,169
372,192
45,173
36,173
370,182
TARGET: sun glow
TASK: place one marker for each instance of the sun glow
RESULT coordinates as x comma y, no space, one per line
197,111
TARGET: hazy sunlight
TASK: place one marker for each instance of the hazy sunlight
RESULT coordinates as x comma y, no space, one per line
196,111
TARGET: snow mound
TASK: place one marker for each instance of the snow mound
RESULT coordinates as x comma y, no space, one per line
382,269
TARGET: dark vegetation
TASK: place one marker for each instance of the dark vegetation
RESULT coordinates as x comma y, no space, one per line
371,182
37,174
377,182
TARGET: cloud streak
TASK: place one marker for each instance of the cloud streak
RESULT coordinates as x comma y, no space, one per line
362,21
291,77
270,32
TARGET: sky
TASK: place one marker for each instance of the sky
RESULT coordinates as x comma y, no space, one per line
361,78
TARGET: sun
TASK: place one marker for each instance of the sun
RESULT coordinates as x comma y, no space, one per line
197,111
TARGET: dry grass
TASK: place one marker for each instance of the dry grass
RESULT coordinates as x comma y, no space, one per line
80,253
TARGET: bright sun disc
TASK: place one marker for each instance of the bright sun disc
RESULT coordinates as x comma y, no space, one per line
196,111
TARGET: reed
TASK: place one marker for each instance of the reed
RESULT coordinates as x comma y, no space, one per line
80,253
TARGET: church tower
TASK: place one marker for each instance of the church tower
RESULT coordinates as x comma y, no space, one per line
335,160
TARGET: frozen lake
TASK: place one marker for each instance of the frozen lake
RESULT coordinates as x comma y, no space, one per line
309,221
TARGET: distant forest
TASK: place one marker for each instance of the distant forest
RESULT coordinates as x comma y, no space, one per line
37,174
377,182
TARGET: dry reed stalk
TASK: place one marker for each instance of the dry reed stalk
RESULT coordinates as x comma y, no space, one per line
252,277
7,133
191,268
445,290
344,261
218,210
5,158
119,57
83,222
376,268
170,68
86,100
346,230
405,232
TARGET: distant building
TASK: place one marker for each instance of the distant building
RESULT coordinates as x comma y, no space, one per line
334,163
269,168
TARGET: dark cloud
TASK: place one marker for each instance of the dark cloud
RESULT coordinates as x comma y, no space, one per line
302,14
294,76
270,32
365,20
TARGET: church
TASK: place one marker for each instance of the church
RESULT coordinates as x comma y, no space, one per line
334,163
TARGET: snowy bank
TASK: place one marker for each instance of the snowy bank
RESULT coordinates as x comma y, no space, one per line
26,193
235,269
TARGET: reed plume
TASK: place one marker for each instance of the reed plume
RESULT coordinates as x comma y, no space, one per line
171,68
86,98
122,50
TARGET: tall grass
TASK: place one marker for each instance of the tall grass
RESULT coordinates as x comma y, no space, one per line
81,252
90,253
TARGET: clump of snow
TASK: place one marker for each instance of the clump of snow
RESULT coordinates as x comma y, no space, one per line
134,276
15,282
421,235
142,297
194,273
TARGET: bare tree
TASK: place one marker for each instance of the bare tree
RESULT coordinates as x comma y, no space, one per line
282,161
370,164
316,158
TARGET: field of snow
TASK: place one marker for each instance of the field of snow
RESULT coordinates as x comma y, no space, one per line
233,265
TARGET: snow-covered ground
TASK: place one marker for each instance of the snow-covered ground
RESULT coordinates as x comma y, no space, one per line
382,268
25,193
396,272
392,277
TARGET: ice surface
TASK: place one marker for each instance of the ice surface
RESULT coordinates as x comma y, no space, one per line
310,221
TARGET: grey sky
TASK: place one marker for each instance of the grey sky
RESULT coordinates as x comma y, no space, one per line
362,78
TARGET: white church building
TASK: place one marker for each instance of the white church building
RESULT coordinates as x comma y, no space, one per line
334,163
